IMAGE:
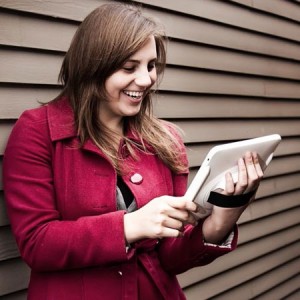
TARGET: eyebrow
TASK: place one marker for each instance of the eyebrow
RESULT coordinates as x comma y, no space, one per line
137,61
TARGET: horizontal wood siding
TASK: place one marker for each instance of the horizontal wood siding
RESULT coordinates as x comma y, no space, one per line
233,72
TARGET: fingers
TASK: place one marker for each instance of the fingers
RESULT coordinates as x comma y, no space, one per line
242,183
229,186
235,189
249,175
172,223
254,170
170,215
181,203
181,209
258,168
165,216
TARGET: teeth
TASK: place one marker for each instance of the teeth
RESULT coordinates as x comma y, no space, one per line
134,94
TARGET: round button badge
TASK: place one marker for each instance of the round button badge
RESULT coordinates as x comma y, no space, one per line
136,178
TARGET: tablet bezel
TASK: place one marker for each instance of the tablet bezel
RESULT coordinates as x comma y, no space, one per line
223,158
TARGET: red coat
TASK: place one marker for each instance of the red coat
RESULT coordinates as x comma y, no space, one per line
61,200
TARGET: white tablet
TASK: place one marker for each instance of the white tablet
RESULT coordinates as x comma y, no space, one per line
223,158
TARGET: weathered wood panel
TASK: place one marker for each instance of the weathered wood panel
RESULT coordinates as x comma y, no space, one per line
240,275
14,276
233,73
224,12
244,253
287,9
31,67
268,281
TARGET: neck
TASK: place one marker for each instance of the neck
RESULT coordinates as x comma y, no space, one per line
117,133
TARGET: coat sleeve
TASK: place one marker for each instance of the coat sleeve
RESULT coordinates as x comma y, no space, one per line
46,241
178,255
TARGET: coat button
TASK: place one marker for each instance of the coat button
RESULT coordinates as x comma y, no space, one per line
136,178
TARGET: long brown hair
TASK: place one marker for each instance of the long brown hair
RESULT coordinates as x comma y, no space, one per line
103,42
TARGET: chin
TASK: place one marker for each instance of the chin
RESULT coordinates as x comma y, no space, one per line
132,112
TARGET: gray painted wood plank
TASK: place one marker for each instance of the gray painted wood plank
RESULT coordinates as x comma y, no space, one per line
14,276
287,9
237,276
243,254
220,11
8,246
281,279
230,14
25,31
14,99
28,31
177,26
43,68
271,204
223,130
3,215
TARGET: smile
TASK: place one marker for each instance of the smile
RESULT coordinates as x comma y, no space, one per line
133,94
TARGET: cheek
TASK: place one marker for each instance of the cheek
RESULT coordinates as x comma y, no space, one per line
113,85
153,77
107,87
114,79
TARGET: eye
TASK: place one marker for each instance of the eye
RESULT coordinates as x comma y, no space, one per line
128,69
151,66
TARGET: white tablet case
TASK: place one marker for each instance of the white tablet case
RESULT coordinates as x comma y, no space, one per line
223,158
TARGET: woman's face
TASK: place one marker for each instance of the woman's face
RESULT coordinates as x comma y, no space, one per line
128,86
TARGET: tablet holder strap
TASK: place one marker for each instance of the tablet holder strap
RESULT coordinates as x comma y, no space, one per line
230,200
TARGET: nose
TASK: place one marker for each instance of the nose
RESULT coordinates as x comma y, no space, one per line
143,78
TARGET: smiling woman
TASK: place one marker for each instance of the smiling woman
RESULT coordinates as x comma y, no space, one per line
126,55
94,182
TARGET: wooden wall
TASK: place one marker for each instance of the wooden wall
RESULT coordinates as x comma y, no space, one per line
233,73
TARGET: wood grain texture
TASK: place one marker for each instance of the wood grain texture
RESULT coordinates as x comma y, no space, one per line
14,276
233,73
234,15
244,253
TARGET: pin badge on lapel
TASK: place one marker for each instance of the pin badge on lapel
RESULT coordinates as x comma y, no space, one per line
136,178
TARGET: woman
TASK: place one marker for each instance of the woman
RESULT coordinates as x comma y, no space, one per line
94,182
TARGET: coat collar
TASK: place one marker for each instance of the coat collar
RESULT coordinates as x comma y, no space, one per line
62,124
61,120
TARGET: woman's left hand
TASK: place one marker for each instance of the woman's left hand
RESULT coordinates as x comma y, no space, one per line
249,176
217,226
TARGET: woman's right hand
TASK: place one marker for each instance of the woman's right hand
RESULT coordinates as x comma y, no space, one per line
164,216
